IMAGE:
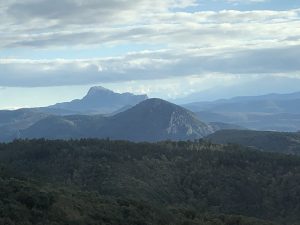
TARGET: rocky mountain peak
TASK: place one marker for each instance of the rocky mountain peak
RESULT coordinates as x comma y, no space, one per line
96,90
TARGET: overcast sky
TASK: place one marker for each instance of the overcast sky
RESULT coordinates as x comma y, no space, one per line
54,50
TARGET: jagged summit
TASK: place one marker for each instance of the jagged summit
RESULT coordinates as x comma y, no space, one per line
99,93
98,89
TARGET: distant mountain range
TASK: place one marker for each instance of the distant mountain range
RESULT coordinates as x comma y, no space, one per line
150,120
105,114
273,112
256,87
271,103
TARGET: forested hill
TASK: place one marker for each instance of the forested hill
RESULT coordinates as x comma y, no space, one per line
116,182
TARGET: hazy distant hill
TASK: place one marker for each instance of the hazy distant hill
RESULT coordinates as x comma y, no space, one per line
278,112
99,100
288,143
12,121
65,127
150,120
271,103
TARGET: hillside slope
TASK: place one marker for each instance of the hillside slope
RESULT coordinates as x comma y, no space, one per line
288,143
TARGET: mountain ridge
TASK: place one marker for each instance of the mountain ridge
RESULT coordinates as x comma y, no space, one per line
169,122
151,120
272,112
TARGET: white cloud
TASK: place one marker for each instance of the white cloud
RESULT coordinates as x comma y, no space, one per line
77,23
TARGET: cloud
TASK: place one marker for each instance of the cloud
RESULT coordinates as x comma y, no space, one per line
84,24
193,42
68,12
149,65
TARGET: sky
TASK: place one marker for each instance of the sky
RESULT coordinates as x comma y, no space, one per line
55,50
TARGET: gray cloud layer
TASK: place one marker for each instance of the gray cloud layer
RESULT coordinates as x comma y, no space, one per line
148,66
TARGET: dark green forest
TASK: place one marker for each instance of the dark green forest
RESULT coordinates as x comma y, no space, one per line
118,182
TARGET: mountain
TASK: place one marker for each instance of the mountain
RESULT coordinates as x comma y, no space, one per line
281,142
156,119
273,112
98,100
150,120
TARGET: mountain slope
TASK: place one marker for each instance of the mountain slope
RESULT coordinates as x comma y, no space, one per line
99,100
150,120
12,121
156,119
65,127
